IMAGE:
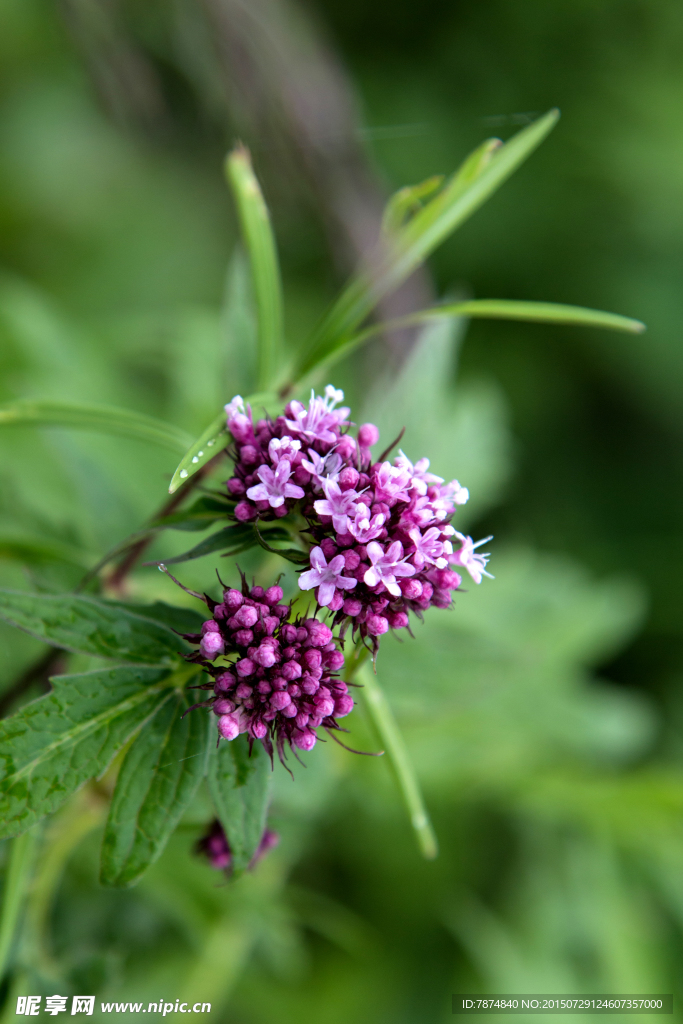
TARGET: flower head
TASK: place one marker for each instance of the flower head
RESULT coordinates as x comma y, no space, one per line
338,504
386,566
321,421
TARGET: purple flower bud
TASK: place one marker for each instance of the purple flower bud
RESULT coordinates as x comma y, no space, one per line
304,739
412,589
343,705
377,625
336,601
334,660
246,616
318,633
243,637
258,729
244,511
224,682
280,700
223,706
329,548
245,667
291,670
312,659
249,455
273,595
212,644
228,726
267,654
368,434
236,486
348,478
210,627
346,448
352,606
257,593
397,620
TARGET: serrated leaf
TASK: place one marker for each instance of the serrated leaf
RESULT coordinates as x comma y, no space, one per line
231,540
56,743
265,271
240,788
102,419
213,440
87,625
157,780
481,174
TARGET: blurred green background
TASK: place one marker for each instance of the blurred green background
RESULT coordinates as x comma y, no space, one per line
544,712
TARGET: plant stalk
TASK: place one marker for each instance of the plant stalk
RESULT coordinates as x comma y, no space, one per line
16,882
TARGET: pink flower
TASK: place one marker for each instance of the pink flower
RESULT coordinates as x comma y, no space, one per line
454,493
321,467
283,448
386,566
239,420
338,504
327,577
274,487
420,478
430,548
469,558
362,527
321,421
391,483
423,511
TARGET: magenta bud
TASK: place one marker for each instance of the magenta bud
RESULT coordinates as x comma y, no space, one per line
280,700
246,616
290,711
249,454
336,602
351,560
412,589
233,599
318,634
312,659
343,705
258,730
223,706
302,719
346,447
348,478
398,620
273,595
377,625
211,645
352,607
304,739
291,670
245,667
224,682
368,434
329,548
258,593
235,486
228,726
334,660
267,655
210,627
244,511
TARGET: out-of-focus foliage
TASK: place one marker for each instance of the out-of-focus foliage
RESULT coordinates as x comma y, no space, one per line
543,711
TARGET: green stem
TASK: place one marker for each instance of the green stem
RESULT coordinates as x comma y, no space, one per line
394,745
16,880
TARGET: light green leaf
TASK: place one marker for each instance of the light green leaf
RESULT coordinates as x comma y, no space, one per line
89,626
55,744
482,173
240,788
157,780
408,201
213,440
102,419
260,243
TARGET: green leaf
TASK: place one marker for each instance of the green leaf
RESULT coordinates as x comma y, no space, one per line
31,550
240,788
89,626
500,309
182,620
408,200
199,516
102,419
231,541
482,173
294,555
158,778
55,744
260,243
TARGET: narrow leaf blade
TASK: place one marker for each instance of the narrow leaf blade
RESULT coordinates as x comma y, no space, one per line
158,778
89,626
56,743
100,419
211,442
32,550
232,540
260,243
240,788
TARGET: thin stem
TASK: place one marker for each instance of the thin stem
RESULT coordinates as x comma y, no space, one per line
394,745
18,870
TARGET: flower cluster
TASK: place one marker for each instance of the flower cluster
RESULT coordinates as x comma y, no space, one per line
277,680
382,542
215,847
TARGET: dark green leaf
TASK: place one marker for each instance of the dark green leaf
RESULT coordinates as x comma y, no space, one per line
55,744
231,540
199,516
294,555
88,626
34,550
158,778
240,788
102,419
182,620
